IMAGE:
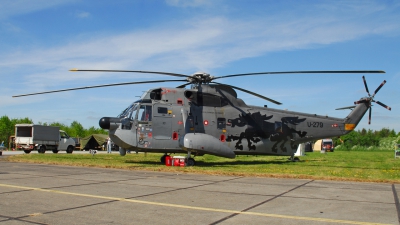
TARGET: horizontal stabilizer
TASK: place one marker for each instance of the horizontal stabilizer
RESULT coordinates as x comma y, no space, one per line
347,107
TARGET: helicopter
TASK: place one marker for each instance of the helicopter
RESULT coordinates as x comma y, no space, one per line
209,118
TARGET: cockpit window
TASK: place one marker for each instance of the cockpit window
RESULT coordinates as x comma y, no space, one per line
129,112
145,113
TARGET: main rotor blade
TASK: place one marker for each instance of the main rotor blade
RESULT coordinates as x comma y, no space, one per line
132,71
252,93
97,86
366,86
380,86
383,105
183,85
293,72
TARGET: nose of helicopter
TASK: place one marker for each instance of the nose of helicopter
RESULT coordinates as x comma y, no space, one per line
108,123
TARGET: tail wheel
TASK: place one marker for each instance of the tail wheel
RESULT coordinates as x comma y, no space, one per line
27,151
70,149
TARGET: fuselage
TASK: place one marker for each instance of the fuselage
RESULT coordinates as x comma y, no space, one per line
161,119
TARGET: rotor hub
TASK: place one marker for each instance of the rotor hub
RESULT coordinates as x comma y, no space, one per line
200,78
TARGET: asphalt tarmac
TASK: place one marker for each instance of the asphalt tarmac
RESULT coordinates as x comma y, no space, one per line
51,194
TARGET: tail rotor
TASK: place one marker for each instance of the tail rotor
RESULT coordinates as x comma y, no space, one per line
370,98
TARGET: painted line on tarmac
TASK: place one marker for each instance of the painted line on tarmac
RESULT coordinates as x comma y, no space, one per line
192,207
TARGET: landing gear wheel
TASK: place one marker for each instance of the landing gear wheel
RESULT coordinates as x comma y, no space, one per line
27,151
70,149
294,159
122,151
162,159
55,151
190,162
42,149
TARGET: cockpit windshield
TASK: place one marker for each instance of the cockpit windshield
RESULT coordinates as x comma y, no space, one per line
129,112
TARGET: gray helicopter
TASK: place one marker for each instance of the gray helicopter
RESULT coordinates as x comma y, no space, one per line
209,118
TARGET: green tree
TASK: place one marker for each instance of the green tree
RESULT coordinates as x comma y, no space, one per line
384,132
77,130
6,129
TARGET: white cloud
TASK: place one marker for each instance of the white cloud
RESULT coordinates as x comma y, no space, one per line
9,27
10,8
82,15
205,44
188,3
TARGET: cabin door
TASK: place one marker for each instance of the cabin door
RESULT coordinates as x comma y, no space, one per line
162,126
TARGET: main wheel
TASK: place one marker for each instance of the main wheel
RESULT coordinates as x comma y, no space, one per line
42,149
162,159
190,162
70,149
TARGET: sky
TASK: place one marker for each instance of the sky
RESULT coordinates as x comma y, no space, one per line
41,40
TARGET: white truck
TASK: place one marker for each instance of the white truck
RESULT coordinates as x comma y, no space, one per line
30,137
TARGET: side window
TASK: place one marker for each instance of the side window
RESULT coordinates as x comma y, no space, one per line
162,110
63,135
145,113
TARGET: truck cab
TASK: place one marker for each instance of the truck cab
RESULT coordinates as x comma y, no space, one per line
327,145
66,142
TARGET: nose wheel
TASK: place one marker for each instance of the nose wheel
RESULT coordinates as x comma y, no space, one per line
122,151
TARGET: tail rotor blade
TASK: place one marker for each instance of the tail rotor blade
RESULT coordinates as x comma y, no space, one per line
383,105
380,86
370,112
365,84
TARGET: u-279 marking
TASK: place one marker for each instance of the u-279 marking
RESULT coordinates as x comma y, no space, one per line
315,124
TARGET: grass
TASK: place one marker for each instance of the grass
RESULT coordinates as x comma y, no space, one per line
363,166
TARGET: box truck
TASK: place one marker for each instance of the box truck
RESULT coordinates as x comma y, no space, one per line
29,137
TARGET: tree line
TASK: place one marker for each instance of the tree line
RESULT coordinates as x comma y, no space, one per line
365,138
75,129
